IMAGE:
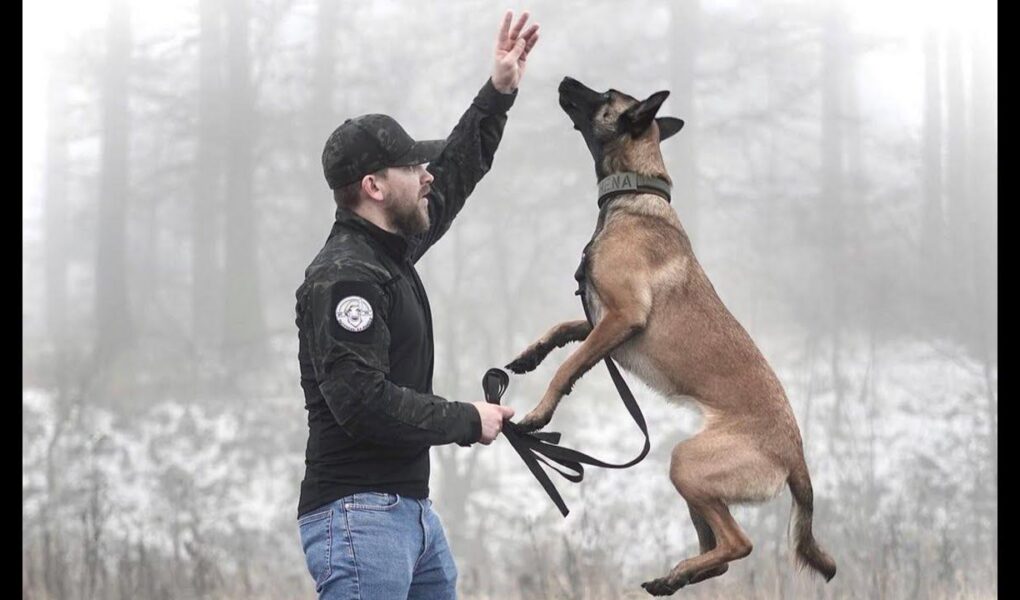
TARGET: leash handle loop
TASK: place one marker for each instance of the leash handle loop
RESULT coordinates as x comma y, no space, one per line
529,445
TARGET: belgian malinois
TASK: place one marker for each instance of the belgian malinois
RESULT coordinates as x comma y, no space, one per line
656,313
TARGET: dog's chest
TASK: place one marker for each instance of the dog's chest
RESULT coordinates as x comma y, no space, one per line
631,354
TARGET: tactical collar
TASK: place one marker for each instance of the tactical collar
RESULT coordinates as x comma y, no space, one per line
628,181
394,244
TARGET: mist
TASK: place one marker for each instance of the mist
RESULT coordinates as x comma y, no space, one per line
836,174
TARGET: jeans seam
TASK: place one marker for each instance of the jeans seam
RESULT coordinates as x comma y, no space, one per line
329,548
424,539
354,556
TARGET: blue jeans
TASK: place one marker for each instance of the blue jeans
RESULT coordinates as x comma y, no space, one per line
378,546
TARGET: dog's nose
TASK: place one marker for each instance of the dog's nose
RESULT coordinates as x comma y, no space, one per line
569,83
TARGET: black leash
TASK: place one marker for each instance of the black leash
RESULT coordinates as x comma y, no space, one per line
533,446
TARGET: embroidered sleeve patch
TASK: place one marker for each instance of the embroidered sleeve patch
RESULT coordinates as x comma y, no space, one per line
353,309
354,313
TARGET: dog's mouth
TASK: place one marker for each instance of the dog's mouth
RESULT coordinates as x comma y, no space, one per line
569,87
572,109
579,101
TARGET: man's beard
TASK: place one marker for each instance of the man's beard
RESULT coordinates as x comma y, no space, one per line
409,218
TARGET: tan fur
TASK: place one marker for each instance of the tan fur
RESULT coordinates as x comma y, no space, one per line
657,314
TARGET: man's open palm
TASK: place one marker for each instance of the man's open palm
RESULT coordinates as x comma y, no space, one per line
512,48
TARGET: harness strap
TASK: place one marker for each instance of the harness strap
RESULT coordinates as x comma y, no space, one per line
621,385
542,446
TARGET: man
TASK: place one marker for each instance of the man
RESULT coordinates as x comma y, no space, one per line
366,351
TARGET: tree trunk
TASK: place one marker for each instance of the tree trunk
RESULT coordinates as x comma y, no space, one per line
684,35
55,210
834,51
207,203
933,219
324,117
982,190
243,318
113,315
958,205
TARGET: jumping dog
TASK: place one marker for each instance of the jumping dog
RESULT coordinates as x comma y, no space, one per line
656,313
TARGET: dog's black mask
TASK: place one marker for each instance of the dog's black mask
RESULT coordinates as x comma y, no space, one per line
612,116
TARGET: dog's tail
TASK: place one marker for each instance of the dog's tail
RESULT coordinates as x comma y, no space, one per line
807,550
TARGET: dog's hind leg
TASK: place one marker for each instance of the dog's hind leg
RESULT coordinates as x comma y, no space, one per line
706,540
710,470
732,544
557,337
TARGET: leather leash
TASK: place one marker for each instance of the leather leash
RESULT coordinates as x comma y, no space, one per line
542,446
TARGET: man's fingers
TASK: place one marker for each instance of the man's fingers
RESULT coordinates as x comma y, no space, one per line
504,28
508,411
517,50
519,25
530,31
531,42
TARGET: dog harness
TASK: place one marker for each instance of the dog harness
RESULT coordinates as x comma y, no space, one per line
542,446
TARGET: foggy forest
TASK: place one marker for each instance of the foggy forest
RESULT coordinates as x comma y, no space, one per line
837,176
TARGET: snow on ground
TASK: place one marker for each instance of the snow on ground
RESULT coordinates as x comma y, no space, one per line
182,465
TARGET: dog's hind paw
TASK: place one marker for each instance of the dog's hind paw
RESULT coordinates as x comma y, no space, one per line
663,586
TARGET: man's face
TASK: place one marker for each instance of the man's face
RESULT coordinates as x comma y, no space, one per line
406,205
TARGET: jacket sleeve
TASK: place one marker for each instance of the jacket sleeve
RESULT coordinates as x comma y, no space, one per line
465,159
348,339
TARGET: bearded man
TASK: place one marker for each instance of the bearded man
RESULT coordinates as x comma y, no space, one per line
366,351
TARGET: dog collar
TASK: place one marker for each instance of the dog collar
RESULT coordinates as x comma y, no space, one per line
628,181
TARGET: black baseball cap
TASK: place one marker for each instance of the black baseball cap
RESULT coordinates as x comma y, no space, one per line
368,143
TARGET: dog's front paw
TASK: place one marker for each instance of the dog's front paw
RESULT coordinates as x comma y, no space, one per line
533,421
520,366
525,363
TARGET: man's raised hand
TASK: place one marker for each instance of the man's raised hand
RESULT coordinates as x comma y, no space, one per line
512,48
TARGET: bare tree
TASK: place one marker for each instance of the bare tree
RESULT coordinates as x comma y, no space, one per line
982,185
933,218
957,201
113,311
243,318
207,201
833,185
684,39
56,208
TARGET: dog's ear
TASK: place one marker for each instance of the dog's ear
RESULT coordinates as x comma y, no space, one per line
639,117
669,126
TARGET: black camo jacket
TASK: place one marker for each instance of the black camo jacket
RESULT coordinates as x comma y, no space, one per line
372,415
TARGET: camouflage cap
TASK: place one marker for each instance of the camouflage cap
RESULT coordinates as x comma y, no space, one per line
368,143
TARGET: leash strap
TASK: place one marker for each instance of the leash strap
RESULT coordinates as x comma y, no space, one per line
621,386
542,446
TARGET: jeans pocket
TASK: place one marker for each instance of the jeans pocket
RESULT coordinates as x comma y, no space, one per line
371,501
317,542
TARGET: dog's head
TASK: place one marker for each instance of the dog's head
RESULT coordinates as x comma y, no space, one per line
612,122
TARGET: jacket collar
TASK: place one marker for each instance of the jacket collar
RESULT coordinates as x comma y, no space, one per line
394,244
